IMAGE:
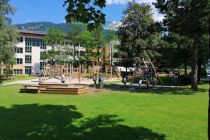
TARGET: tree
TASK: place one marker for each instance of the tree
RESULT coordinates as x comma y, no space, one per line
175,52
74,34
187,18
99,44
8,34
87,40
137,34
94,43
7,40
86,11
54,38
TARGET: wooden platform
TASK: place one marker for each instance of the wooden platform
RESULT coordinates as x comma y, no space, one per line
53,88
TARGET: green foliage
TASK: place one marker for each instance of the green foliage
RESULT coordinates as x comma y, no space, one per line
76,29
138,35
86,11
176,52
110,35
2,78
188,19
92,41
54,37
99,37
87,40
8,33
5,10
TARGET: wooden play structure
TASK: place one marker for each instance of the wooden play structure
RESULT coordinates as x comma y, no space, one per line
74,73
148,72
110,73
55,88
58,70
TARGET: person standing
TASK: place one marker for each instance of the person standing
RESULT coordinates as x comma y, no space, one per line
63,78
100,81
95,80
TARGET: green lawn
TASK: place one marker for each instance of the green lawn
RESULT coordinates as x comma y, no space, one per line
17,78
114,114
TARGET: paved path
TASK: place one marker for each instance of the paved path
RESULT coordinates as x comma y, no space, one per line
73,81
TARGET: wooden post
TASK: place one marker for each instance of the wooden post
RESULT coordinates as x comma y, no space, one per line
111,72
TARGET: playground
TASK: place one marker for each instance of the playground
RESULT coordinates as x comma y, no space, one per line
66,79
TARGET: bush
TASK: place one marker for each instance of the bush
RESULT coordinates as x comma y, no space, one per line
2,78
185,80
166,80
203,72
182,80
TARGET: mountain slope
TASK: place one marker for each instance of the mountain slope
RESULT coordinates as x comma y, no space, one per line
44,26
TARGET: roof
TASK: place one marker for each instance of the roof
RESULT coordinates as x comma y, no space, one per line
33,33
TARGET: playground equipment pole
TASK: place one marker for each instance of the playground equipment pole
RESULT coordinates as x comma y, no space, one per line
209,86
111,58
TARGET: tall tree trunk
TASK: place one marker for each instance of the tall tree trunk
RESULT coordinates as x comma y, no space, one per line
185,70
2,68
104,59
98,59
52,60
199,71
194,67
74,56
209,89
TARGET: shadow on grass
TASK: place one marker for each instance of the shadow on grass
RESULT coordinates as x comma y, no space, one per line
53,122
154,90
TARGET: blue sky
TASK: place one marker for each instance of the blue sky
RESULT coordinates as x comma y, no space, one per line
53,10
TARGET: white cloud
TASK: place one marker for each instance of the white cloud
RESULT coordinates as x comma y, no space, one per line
156,15
109,2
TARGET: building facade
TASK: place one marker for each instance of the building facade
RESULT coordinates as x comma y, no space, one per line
31,47
28,51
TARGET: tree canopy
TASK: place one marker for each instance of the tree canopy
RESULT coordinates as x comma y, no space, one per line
188,19
137,34
54,38
86,11
8,34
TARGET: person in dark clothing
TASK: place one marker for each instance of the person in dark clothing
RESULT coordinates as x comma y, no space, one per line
95,80
100,81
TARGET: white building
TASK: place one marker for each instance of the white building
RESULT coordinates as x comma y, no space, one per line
28,52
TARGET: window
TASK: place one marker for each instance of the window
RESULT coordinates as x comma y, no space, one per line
18,50
18,71
28,49
28,59
68,43
28,69
43,46
42,65
19,61
35,42
20,39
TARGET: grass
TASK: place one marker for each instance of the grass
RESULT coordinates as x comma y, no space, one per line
113,114
19,77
